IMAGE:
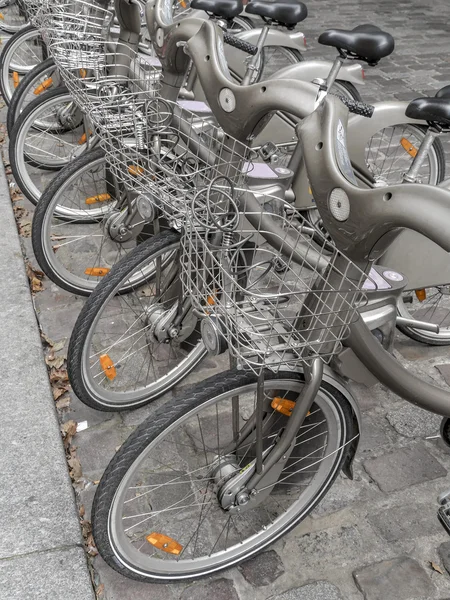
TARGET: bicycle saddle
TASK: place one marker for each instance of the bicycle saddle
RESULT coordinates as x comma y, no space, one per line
228,9
286,12
367,42
443,92
432,110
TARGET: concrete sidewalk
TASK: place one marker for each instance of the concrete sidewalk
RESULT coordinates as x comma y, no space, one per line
41,548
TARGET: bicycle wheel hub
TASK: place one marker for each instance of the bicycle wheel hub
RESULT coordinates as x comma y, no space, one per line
213,337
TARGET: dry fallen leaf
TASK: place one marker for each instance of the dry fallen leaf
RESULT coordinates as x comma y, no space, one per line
99,591
55,361
63,402
68,430
58,392
59,345
24,228
58,376
82,511
46,339
436,567
34,276
75,467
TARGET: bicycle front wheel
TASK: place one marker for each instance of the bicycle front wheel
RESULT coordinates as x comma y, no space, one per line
41,78
163,483
121,355
49,133
21,53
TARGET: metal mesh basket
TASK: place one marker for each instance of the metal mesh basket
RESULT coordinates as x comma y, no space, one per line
164,151
76,34
272,302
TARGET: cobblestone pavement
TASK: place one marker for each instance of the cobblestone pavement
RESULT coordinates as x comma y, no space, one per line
374,537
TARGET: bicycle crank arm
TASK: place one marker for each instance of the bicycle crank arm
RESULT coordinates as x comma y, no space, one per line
423,325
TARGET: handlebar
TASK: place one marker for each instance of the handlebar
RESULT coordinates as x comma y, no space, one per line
358,108
246,47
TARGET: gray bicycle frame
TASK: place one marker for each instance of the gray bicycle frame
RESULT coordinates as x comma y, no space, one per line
376,217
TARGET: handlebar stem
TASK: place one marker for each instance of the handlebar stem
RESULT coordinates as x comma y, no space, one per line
253,62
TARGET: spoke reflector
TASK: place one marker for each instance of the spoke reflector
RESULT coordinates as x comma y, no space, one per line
421,295
97,271
164,543
183,3
83,138
2,17
44,86
83,73
108,367
16,78
408,147
98,198
285,407
135,170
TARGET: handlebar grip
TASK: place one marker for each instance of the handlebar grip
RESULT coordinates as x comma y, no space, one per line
246,47
359,108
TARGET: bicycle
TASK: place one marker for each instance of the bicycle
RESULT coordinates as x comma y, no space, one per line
218,474
85,179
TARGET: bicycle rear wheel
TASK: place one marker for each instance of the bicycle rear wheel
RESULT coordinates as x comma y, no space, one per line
161,486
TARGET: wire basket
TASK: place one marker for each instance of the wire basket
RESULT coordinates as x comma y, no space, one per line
276,303
76,34
163,151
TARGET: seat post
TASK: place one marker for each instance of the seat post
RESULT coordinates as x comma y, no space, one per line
252,64
411,175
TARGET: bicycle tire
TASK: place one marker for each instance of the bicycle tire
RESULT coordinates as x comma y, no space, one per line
27,84
91,311
7,55
153,427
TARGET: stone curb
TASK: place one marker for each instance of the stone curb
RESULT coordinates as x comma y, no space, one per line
40,526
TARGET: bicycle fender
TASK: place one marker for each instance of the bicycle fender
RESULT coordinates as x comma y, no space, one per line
294,40
309,70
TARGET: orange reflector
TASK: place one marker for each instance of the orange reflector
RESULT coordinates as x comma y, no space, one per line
421,295
210,300
135,170
408,147
83,73
2,17
363,74
16,78
96,272
164,543
183,3
83,138
98,198
285,407
44,86
108,366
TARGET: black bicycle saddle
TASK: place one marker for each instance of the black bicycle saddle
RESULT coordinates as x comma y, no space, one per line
286,12
367,42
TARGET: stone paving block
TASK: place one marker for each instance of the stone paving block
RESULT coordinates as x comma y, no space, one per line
96,447
219,589
412,421
444,370
262,570
56,575
375,434
118,587
400,578
319,590
406,522
402,468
